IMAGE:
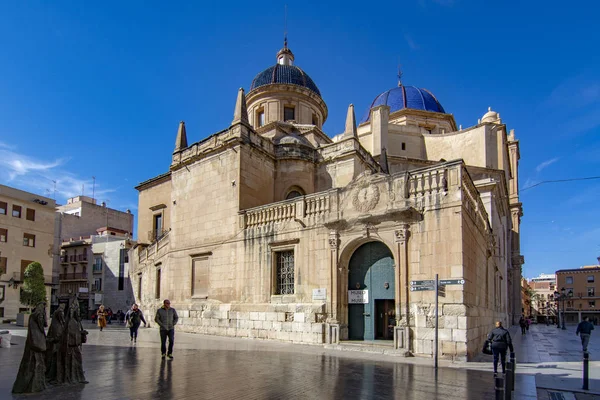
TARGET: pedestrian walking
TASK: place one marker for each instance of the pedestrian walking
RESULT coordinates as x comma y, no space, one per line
584,330
501,341
523,325
166,318
134,318
527,323
101,316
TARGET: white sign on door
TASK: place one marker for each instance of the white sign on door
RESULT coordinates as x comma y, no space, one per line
358,296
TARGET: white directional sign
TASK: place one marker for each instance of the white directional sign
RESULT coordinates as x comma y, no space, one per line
459,281
358,296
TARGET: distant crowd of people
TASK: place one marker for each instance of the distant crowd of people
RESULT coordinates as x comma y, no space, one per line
108,315
166,318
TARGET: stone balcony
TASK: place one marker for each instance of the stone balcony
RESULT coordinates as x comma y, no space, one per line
376,197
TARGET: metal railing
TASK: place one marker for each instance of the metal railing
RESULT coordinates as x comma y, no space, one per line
73,276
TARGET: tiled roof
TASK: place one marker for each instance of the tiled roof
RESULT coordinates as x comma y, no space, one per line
406,97
287,74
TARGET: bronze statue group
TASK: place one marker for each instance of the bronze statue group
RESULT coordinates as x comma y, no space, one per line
53,359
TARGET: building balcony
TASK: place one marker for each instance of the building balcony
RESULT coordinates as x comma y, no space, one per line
64,259
76,276
82,258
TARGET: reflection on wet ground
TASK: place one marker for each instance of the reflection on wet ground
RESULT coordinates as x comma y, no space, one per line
217,371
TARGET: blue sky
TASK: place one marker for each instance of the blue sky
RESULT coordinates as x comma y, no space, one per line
97,89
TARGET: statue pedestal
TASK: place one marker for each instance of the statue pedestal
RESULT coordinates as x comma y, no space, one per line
23,319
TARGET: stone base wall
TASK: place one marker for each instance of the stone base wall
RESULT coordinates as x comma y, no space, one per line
452,331
296,323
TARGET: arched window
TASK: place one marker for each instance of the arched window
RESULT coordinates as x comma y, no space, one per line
294,192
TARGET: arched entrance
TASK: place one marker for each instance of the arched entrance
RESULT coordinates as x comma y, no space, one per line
371,269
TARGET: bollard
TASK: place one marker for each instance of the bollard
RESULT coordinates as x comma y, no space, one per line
499,389
513,360
510,383
586,370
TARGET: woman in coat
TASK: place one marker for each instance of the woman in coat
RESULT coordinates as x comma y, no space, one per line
134,318
101,314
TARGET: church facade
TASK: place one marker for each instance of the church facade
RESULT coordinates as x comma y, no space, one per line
272,229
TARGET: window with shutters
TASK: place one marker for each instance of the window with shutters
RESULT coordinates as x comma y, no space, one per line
3,265
16,211
157,289
139,291
3,208
30,214
28,240
3,235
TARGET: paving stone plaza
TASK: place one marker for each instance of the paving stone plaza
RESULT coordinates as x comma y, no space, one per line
208,367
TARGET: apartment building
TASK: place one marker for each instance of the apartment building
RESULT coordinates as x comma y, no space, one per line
581,291
83,223
27,233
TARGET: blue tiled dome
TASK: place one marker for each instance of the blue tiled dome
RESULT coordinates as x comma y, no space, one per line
287,74
406,97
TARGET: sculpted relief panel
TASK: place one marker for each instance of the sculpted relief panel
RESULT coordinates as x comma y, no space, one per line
365,197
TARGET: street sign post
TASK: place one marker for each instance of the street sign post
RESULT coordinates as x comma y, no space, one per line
439,285
435,347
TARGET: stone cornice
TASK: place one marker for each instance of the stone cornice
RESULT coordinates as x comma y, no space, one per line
154,181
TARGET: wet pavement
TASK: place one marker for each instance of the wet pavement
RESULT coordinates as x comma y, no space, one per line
209,367
223,368
555,359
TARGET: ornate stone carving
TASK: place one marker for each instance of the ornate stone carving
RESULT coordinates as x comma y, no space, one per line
402,234
334,240
365,197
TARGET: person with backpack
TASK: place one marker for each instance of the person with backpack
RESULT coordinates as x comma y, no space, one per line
501,341
134,318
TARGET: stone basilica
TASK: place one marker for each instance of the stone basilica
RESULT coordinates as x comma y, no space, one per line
272,229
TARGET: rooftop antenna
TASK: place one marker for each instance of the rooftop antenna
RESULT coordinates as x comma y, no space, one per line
399,73
93,187
285,28
53,181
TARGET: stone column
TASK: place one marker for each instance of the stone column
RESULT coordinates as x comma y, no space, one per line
402,284
334,242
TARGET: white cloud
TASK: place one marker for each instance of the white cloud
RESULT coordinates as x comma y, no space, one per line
411,43
6,146
546,163
43,177
575,92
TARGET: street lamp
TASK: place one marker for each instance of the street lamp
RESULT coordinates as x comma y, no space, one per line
563,296
560,297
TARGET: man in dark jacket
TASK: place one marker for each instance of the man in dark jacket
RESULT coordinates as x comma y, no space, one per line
584,330
501,341
166,318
